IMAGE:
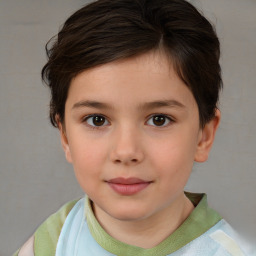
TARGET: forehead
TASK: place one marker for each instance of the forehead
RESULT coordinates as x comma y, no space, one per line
153,63
132,81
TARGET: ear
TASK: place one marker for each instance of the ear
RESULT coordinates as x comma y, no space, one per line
206,138
64,142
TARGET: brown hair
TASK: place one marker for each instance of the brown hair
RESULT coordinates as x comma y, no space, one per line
108,30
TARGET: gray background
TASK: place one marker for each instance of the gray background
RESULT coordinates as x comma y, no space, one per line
35,179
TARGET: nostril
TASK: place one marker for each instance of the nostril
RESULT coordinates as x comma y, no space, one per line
134,160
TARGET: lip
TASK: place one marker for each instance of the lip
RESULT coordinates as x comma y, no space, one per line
128,186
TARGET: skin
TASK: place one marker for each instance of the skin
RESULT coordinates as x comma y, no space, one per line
28,248
129,143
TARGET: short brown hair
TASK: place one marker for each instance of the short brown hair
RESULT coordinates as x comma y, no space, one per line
108,30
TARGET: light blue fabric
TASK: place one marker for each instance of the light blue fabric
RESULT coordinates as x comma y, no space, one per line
69,234
209,244
76,240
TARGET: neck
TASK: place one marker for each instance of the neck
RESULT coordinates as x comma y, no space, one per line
150,231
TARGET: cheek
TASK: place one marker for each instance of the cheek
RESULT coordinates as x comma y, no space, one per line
88,161
174,170
87,155
174,156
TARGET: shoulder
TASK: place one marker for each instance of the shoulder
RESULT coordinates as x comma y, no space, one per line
220,239
45,239
54,223
224,235
46,236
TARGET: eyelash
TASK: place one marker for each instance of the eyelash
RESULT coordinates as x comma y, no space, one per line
167,118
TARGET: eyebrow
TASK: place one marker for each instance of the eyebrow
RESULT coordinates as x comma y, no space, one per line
144,106
92,104
161,103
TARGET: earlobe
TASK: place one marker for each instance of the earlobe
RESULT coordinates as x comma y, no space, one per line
64,142
206,138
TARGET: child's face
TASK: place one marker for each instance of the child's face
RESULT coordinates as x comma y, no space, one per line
135,156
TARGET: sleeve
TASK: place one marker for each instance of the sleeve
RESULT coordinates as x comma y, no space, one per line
46,236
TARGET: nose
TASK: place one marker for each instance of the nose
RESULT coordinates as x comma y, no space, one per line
126,147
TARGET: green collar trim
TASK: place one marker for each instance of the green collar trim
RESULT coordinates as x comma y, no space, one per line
198,222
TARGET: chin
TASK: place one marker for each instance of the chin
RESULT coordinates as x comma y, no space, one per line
128,214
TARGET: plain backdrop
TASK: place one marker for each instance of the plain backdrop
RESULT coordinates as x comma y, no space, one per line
35,179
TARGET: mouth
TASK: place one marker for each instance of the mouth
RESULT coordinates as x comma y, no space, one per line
128,186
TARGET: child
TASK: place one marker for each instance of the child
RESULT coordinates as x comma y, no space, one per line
134,86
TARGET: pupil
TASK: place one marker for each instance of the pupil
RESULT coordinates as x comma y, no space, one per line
159,120
98,120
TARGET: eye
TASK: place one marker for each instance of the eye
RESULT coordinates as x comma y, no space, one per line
96,121
159,120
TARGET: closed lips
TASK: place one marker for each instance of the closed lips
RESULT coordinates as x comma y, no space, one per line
128,186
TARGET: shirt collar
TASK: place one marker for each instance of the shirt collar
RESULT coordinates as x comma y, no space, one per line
198,222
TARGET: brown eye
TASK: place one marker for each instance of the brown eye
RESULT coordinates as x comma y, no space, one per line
96,121
159,120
